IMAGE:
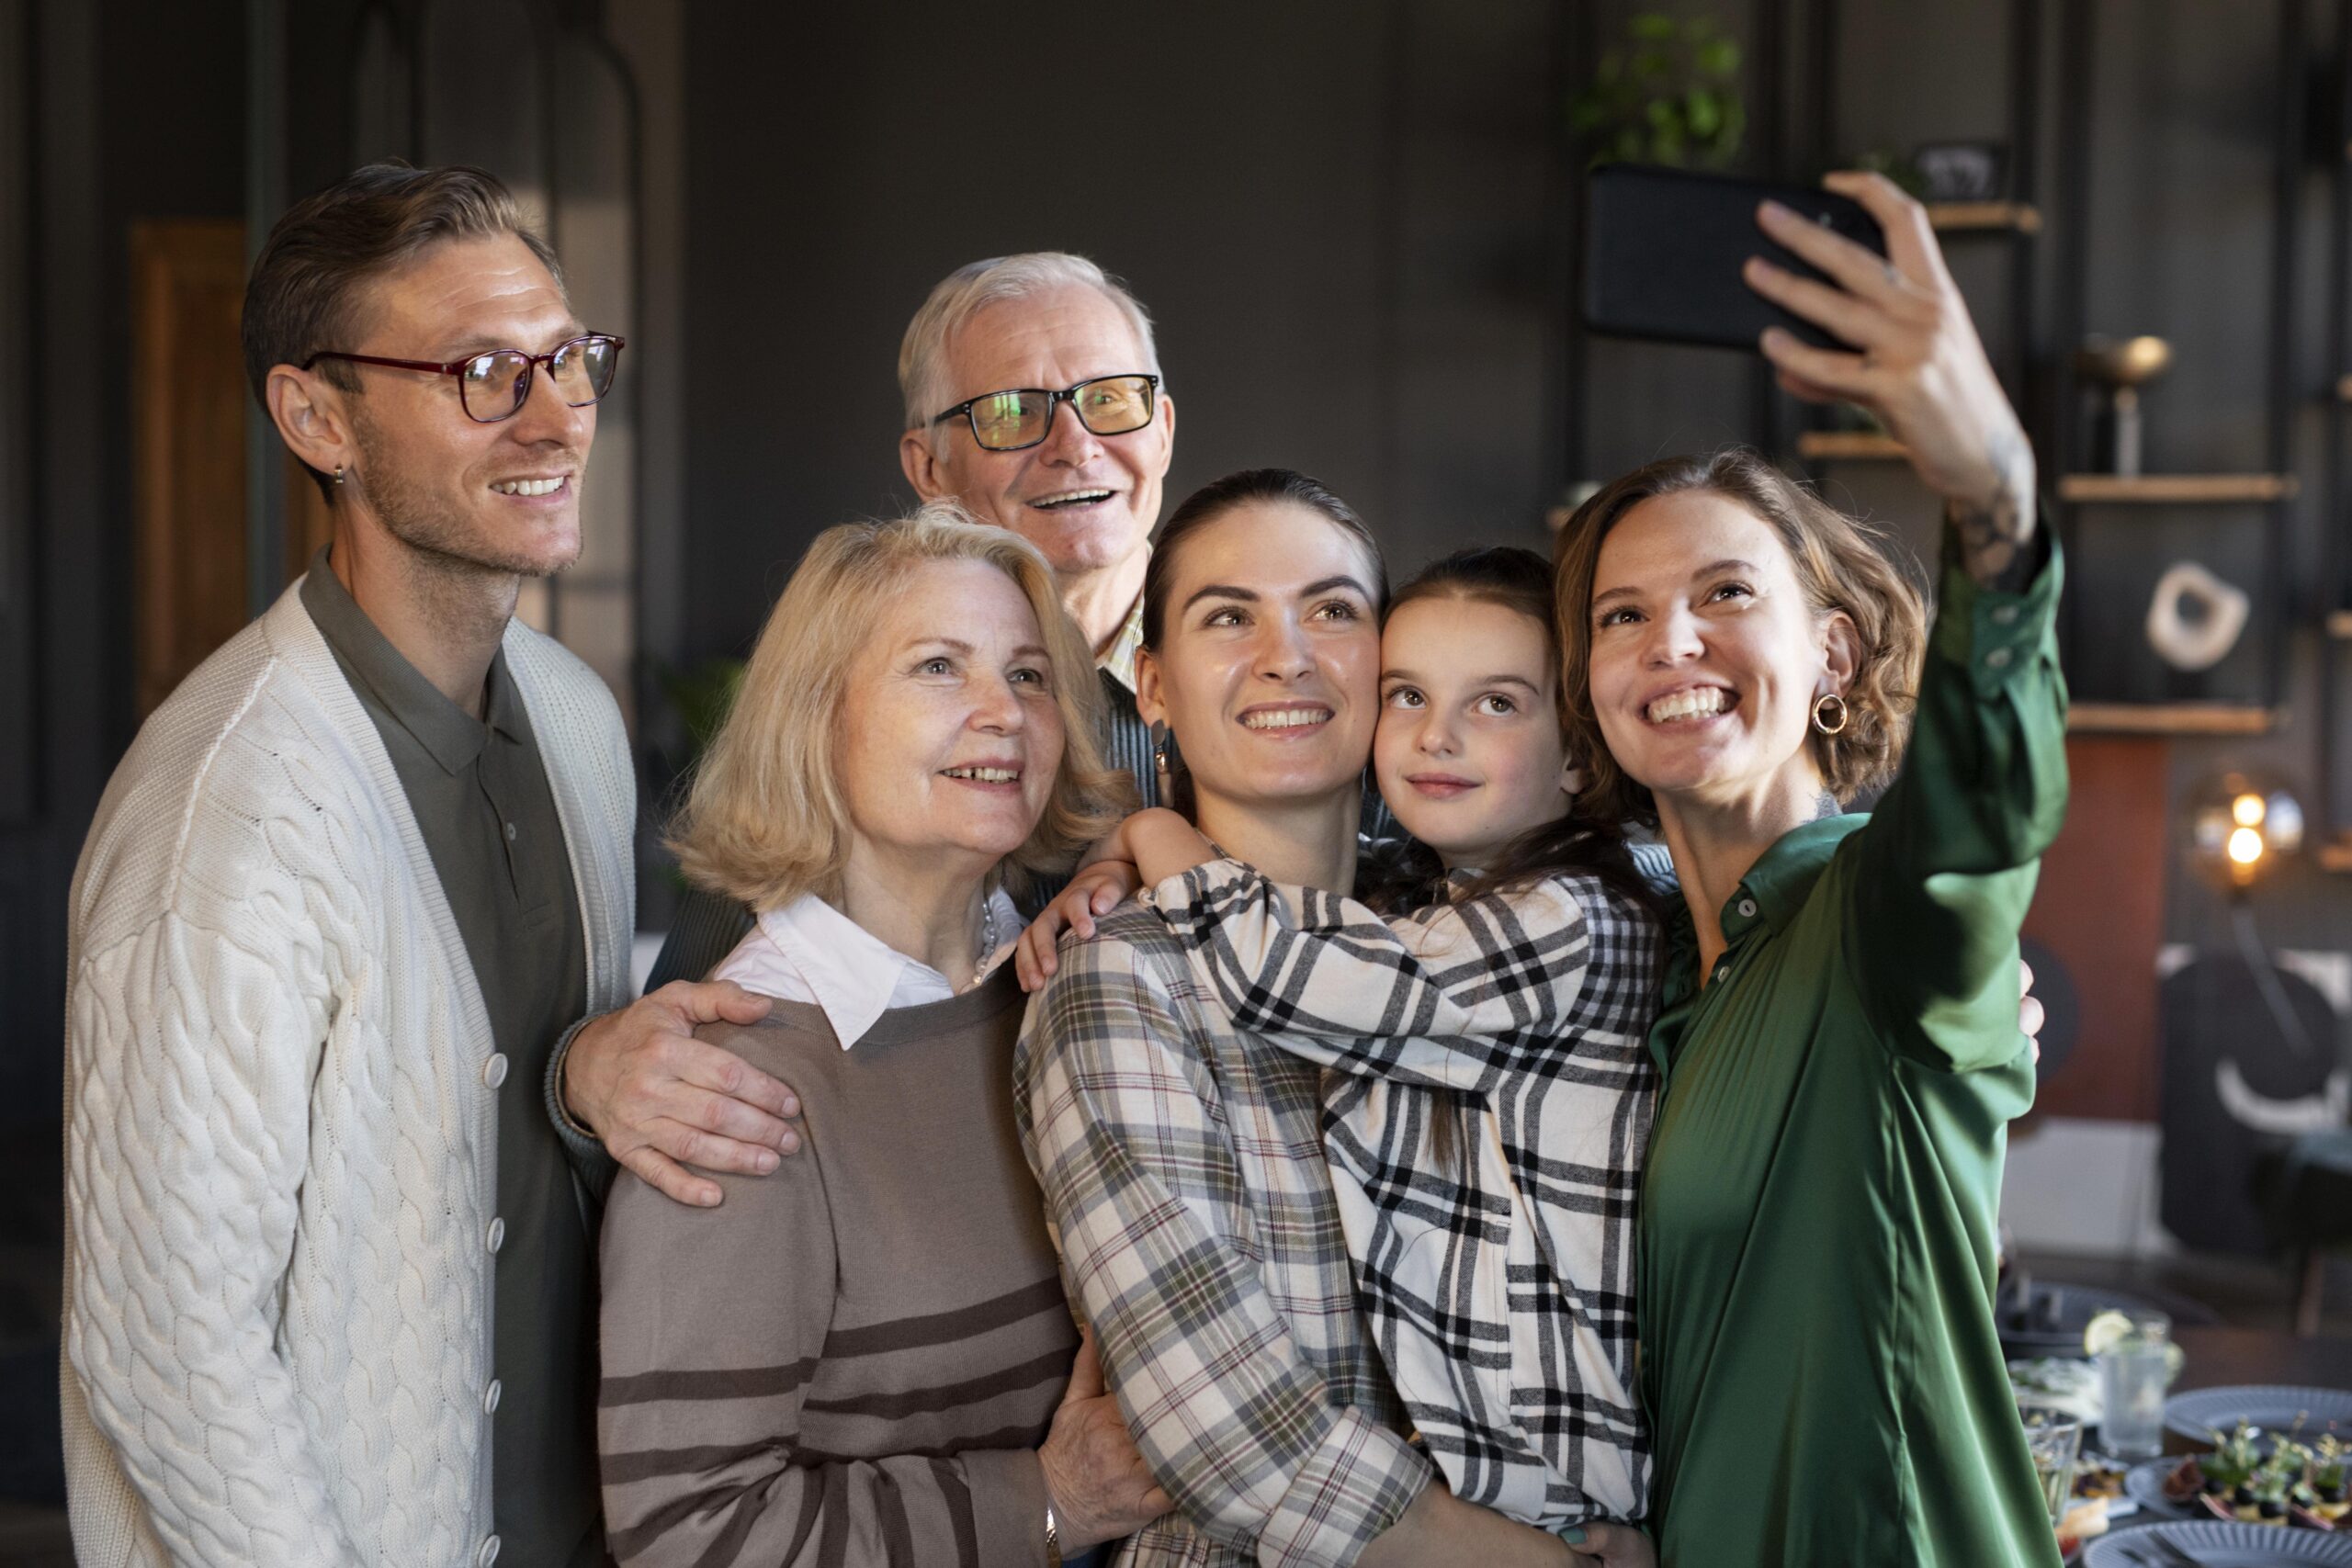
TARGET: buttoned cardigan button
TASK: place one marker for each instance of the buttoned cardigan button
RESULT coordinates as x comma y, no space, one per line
490,1398
488,1553
1998,658
497,1237
2005,614
510,832
493,1072
1747,908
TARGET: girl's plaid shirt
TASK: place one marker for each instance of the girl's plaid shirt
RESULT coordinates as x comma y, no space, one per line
1497,1280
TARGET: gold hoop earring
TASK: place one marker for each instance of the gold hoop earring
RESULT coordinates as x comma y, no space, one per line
1826,707
338,476
1160,766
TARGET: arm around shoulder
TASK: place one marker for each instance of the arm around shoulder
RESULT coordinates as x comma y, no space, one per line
1447,996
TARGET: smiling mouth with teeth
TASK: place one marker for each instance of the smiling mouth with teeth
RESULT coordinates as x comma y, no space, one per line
1285,719
530,487
984,775
1702,702
1070,498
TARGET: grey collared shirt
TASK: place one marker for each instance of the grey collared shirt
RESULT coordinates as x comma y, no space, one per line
480,794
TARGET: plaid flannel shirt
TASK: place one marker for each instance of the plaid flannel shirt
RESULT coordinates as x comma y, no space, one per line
1499,1281
1182,1166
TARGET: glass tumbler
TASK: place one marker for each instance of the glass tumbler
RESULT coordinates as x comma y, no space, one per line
2133,1371
2055,1438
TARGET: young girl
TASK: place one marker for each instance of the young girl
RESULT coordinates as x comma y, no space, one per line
1484,1011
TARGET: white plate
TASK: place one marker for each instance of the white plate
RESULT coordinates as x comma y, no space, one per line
2275,1408
2218,1545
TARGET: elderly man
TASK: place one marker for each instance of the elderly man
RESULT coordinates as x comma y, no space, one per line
987,366
328,1279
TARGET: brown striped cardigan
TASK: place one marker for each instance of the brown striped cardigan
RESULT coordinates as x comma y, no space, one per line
853,1360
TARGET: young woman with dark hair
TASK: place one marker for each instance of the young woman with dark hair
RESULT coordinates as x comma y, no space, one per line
1182,1144
1484,1008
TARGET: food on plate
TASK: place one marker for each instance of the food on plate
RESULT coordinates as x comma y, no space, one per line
2096,1477
2080,1523
2294,1485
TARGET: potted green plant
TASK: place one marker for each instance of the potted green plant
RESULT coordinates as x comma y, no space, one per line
1669,93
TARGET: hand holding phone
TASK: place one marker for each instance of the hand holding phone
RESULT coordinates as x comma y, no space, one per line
1844,289
1916,363
1664,250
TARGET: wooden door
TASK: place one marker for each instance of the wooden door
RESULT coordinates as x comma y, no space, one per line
188,394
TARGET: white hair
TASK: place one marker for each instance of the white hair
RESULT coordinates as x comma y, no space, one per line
971,288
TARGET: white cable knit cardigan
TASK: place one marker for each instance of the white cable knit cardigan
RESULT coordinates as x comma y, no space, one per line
281,1147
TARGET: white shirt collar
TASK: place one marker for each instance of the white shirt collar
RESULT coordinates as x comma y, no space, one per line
809,952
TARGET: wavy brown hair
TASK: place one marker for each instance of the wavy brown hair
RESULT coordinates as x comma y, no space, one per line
1842,565
765,820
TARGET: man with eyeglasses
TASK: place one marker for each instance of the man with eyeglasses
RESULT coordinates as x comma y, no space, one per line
329,1274
1034,399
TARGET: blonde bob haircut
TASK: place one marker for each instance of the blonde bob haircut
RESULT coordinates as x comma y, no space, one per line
765,820
1842,565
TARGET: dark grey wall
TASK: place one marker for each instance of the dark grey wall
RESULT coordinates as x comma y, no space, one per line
1349,222
133,110
1336,212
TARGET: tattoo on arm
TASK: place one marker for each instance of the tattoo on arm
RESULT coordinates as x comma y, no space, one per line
1994,532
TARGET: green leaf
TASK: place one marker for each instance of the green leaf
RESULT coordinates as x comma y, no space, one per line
1651,26
1719,57
1702,111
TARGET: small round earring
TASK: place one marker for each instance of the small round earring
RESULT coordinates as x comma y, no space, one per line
338,476
1829,714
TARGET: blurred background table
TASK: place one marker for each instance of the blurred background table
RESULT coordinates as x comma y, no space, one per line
2217,1358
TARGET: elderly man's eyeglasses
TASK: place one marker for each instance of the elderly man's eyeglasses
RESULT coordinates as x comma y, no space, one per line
495,385
1108,405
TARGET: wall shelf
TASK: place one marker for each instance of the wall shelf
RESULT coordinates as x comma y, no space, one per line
1979,216
1815,445
2177,490
2169,719
2336,854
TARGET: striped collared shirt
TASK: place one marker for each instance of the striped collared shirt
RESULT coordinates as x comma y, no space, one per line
1498,1278
1183,1164
1118,660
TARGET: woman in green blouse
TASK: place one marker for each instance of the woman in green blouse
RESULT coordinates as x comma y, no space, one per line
1839,1035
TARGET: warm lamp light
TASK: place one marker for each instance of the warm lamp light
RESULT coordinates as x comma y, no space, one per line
2239,827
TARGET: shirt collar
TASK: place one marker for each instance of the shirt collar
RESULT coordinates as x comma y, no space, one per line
854,976
1118,660
1768,897
1777,885
452,736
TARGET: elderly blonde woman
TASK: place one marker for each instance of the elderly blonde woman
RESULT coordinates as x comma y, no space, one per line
866,1357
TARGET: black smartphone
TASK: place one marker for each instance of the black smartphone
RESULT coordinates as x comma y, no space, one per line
1664,248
